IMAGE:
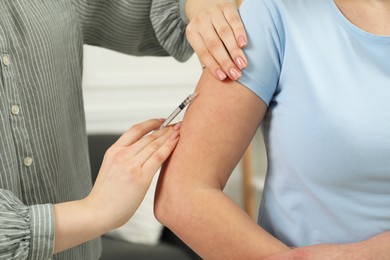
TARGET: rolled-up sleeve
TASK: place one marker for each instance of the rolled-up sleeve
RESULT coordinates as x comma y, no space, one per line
169,22
136,27
27,232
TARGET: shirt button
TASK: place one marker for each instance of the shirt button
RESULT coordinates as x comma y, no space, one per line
15,110
28,161
6,60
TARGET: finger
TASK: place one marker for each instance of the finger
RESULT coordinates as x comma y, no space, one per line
149,144
210,38
156,160
139,145
154,146
234,19
237,37
235,53
205,57
137,131
212,53
215,40
217,48
209,62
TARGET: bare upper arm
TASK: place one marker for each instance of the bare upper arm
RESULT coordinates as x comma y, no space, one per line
217,128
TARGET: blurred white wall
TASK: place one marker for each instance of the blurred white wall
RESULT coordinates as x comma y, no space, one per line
121,90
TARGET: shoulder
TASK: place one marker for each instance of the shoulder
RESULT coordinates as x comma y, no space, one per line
283,8
282,17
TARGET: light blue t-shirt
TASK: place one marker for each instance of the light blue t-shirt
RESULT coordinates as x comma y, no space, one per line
327,129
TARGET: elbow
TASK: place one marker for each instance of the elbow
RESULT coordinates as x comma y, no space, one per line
169,204
165,209
161,208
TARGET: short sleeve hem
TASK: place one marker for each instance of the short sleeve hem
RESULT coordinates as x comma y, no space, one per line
256,87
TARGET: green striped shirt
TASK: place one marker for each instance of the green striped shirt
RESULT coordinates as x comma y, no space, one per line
43,143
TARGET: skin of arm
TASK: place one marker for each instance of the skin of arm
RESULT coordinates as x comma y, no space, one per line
125,175
377,247
216,130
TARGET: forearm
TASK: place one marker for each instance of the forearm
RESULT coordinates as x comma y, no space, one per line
377,247
216,228
76,223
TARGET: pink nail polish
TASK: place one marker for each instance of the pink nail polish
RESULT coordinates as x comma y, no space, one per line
241,42
234,73
177,126
221,75
240,63
175,135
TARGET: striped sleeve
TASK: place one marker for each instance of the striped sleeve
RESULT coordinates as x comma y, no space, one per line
169,21
27,232
135,27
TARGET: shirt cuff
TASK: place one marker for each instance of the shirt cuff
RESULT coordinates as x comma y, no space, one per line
42,231
26,231
167,20
182,8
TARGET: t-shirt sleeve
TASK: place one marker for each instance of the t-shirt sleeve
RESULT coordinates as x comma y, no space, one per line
264,50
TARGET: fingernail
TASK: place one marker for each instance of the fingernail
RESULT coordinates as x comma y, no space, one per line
161,119
177,126
234,73
221,75
241,41
240,62
175,135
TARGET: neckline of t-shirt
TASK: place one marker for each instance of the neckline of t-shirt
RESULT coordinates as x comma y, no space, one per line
362,34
